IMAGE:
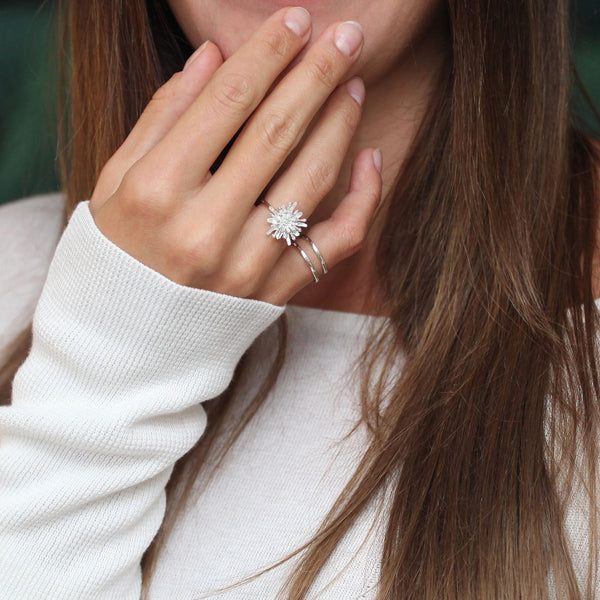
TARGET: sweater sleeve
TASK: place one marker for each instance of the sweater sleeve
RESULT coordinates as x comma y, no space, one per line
109,397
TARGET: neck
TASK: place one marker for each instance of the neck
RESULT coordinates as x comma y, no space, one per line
394,107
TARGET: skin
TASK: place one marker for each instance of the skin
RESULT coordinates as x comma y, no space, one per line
401,54
155,197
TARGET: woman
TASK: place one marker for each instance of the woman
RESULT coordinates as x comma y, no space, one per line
462,462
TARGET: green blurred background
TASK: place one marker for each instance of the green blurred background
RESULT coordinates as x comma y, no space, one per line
28,67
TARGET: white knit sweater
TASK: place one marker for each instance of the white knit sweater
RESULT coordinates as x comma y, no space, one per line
111,396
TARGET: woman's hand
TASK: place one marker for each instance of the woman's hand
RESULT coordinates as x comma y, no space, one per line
157,200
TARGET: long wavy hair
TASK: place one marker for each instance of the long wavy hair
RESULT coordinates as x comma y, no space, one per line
487,260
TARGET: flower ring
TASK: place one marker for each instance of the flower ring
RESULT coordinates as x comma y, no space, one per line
286,222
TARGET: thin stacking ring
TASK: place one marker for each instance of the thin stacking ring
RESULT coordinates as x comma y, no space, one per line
308,262
314,247
286,223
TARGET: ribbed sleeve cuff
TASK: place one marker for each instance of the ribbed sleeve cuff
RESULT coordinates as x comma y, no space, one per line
108,399
134,323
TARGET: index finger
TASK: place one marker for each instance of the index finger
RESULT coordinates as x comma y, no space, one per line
236,89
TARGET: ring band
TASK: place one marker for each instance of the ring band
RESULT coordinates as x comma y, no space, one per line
286,223
308,262
314,247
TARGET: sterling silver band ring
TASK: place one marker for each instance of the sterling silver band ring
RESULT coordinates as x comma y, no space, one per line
308,262
287,223
314,247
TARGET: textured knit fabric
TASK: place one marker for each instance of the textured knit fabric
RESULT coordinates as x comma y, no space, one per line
112,394
108,398
29,231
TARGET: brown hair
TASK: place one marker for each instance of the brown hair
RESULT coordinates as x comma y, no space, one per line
486,259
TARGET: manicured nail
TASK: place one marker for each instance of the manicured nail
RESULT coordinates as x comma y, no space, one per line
356,88
378,159
194,56
348,37
298,20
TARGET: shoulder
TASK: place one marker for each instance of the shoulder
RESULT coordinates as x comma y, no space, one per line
30,227
29,232
20,213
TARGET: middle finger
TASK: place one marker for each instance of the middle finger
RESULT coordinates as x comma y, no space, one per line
279,124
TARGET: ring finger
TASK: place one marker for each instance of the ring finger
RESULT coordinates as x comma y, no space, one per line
308,179
337,237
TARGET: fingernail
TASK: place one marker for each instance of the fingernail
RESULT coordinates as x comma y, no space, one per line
378,159
356,88
194,56
348,37
297,19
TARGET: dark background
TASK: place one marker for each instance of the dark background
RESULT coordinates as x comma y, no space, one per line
28,67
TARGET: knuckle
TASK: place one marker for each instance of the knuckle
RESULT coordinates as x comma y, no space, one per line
240,283
320,177
140,197
349,114
162,98
277,44
352,234
108,181
173,97
166,93
230,274
323,71
111,172
277,130
233,93
198,254
373,197
133,189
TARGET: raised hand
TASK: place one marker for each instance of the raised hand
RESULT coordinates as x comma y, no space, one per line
157,200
